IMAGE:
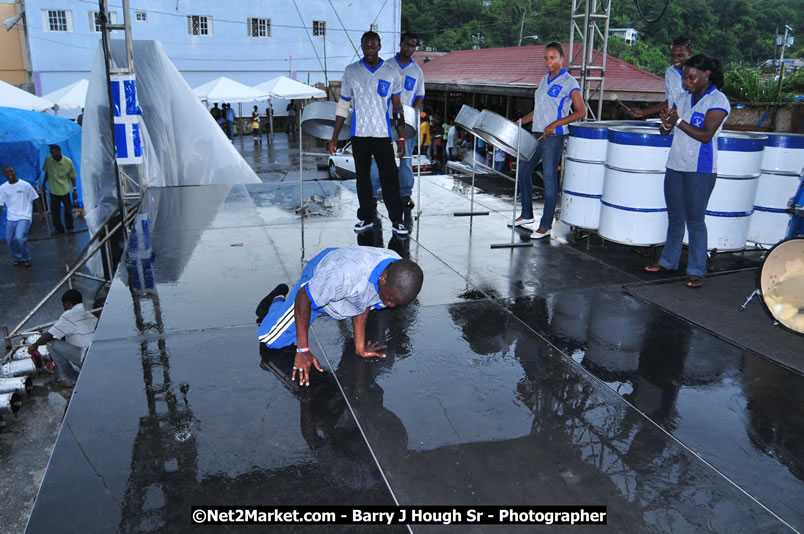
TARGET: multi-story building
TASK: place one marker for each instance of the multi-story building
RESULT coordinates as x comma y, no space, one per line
14,55
250,41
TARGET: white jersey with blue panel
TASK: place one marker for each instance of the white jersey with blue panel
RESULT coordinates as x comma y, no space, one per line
412,79
687,154
370,90
552,101
673,83
339,283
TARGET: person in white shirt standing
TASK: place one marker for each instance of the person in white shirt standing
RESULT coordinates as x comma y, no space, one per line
695,118
412,95
680,51
556,95
77,328
18,196
369,85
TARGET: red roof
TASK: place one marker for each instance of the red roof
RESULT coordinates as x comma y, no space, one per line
524,66
421,57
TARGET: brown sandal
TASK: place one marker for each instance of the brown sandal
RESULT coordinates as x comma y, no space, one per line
694,282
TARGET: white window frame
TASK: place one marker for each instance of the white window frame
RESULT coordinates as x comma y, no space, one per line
141,16
46,20
263,27
319,28
203,21
94,25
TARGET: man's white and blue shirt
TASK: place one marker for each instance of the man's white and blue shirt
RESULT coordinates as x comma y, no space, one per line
673,83
412,79
687,154
370,90
552,101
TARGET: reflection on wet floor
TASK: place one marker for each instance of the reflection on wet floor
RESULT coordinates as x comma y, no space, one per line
523,376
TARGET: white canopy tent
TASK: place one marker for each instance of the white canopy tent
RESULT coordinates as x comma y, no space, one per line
13,97
224,89
286,88
72,96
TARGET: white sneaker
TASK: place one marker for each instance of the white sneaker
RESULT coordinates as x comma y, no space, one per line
540,235
521,222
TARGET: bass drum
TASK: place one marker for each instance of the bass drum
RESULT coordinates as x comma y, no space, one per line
781,284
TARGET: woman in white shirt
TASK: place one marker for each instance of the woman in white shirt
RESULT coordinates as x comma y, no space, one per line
695,118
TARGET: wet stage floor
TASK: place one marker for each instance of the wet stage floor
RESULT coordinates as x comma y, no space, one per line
521,376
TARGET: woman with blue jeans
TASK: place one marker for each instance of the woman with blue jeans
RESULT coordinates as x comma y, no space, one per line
556,93
695,118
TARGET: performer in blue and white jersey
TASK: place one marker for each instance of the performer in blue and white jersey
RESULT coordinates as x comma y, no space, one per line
556,93
680,51
370,85
696,118
341,283
412,95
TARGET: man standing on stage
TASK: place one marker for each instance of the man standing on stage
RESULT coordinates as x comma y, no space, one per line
412,95
368,85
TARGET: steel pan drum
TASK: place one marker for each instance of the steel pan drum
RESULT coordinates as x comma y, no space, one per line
410,124
467,118
781,283
318,120
502,133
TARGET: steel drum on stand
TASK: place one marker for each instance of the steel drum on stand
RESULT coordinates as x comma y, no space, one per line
502,133
467,118
410,124
318,120
584,172
782,162
728,213
633,210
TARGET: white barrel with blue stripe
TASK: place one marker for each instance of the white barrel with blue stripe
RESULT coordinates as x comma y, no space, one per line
584,171
728,213
782,163
633,210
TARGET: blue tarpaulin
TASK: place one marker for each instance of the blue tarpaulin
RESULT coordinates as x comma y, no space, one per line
24,140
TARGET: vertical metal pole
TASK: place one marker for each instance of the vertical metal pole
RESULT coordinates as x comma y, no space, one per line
516,182
301,173
516,189
419,166
239,114
107,53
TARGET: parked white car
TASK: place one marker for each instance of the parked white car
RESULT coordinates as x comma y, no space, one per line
342,163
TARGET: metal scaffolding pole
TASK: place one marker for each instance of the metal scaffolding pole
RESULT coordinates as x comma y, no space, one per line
586,20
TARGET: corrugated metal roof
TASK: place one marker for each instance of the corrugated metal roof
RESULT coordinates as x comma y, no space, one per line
524,66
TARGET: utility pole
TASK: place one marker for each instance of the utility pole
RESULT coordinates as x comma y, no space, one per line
521,26
787,29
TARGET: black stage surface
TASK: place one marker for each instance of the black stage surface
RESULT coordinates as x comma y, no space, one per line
520,376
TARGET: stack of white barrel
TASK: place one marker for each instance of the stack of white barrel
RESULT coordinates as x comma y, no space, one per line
613,182
782,163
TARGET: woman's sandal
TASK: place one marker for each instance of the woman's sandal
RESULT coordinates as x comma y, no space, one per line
694,282
657,268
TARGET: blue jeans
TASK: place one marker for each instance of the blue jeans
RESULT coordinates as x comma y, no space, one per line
17,239
499,166
405,172
686,195
548,152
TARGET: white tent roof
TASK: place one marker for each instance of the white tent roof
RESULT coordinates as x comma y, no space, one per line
12,97
284,87
71,97
224,89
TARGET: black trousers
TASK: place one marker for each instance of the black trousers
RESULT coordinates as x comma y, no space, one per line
383,151
55,208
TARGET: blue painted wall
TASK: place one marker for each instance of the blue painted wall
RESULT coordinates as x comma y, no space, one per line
60,58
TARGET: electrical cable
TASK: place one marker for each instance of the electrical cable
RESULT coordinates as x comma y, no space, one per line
646,19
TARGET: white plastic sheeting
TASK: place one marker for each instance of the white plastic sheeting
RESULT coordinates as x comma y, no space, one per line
183,144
